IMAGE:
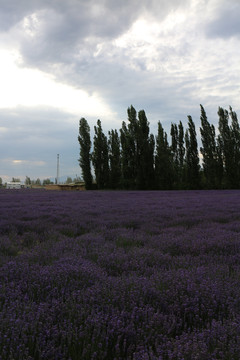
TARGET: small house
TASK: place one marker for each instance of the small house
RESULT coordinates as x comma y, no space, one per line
13,185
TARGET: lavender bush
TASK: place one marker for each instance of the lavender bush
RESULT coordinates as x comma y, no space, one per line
119,275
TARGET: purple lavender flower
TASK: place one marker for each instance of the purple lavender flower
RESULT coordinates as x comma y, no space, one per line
119,275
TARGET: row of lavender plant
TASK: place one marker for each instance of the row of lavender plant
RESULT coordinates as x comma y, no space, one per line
119,275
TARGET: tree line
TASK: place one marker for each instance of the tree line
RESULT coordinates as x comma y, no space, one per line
133,158
48,181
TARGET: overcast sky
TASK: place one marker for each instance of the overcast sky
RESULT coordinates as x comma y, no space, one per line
61,60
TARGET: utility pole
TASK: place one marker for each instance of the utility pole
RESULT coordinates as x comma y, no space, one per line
57,168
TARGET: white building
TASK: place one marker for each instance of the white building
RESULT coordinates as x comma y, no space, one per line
13,185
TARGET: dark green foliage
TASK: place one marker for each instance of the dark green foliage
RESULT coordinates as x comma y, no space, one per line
145,150
85,147
209,152
219,171
128,138
132,144
174,146
100,157
150,162
163,161
226,148
181,154
229,147
27,180
137,151
175,153
192,158
136,160
235,139
126,158
114,159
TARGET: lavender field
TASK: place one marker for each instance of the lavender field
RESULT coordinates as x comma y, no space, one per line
119,275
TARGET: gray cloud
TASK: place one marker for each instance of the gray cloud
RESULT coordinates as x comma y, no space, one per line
13,11
63,37
56,31
226,23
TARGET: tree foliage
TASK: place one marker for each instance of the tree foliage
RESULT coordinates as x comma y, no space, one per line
137,155
209,152
100,157
114,159
163,161
135,159
144,153
235,140
192,158
85,148
27,180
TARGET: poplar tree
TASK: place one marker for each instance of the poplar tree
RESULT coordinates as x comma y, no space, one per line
174,145
175,154
192,158
128,139
114,159
181,154
150,161
144,153
208,151
100,157
84,140
235,138
132,144
126,171
219,162
163,161
226,148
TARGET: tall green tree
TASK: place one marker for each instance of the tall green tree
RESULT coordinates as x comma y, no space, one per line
219,162
126,171
181,155
137,151
38,181
69,180
128,139
209,152
192,158
235,138
226,147
175,154
27,180
100,157
163,161
84,140
132,144
144,153
178,152
114,159
174,145
151,161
